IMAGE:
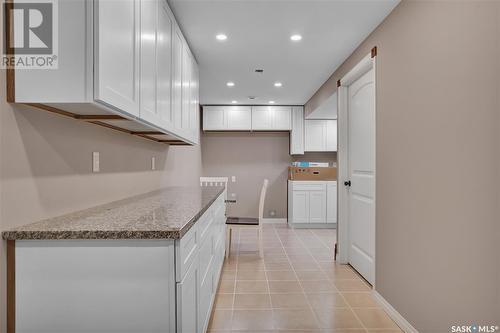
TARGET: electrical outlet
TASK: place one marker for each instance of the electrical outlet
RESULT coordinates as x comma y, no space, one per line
153,163
95,162
233,179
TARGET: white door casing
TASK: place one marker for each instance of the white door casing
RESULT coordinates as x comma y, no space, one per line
356,225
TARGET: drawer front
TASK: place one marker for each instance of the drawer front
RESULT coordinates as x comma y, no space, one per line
206,256
186,249
205,224
310,186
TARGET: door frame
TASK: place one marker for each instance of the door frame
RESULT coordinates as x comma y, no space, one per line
343,232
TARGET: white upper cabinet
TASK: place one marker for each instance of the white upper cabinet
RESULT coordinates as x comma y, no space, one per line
214,118
297,132
117,60
282,118
177,77
239,118
269,118
227,118
320,135
164,66
262,118
148,102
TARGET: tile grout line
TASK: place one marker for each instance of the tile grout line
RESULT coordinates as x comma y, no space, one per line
300,284
339,292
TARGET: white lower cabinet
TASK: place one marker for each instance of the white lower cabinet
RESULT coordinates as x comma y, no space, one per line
312,202
187,300
202,249
331,203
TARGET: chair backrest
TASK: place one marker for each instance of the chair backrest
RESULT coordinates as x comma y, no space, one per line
213,181
261,201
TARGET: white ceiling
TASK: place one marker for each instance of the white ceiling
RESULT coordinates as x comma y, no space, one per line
259,37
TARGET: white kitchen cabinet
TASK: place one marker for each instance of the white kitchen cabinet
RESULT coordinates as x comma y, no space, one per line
317,206
271,118
331,204
214,118
312,202
300,207
187,300
164,67
320,135
239,118
177,77
123,65
262,118
227,118
117,62
297,132
282,118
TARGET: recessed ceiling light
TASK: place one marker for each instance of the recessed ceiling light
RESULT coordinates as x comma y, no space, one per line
295,38
234,102
272,102
230,84
278,84
221,37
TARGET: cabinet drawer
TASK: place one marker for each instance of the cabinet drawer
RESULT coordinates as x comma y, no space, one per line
309,186
206,256
205,224
186,249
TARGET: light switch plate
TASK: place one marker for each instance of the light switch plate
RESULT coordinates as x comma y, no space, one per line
95,162
153,163
233,179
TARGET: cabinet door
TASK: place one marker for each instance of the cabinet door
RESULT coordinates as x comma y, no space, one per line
186,89
300,206
317,206
315,135
117,54
195,106
214,118
282,118
331,202
239,117
187,301
164,66
177,78
148,109
262,118
206,274
297,133
331,135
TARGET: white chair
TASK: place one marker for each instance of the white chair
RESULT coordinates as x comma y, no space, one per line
236,223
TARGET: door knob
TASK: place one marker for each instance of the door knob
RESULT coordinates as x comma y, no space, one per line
347,183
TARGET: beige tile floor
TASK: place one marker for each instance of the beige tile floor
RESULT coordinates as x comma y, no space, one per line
296,287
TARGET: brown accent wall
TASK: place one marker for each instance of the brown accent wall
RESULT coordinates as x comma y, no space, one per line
251,157
438,160
46,164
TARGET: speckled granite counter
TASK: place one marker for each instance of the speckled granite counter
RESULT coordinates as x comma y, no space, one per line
165,214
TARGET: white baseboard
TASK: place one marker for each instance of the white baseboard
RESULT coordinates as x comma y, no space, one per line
395,315
275,220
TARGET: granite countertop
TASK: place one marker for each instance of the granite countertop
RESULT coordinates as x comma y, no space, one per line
164,214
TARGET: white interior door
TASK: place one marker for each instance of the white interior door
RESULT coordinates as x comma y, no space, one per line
361,170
